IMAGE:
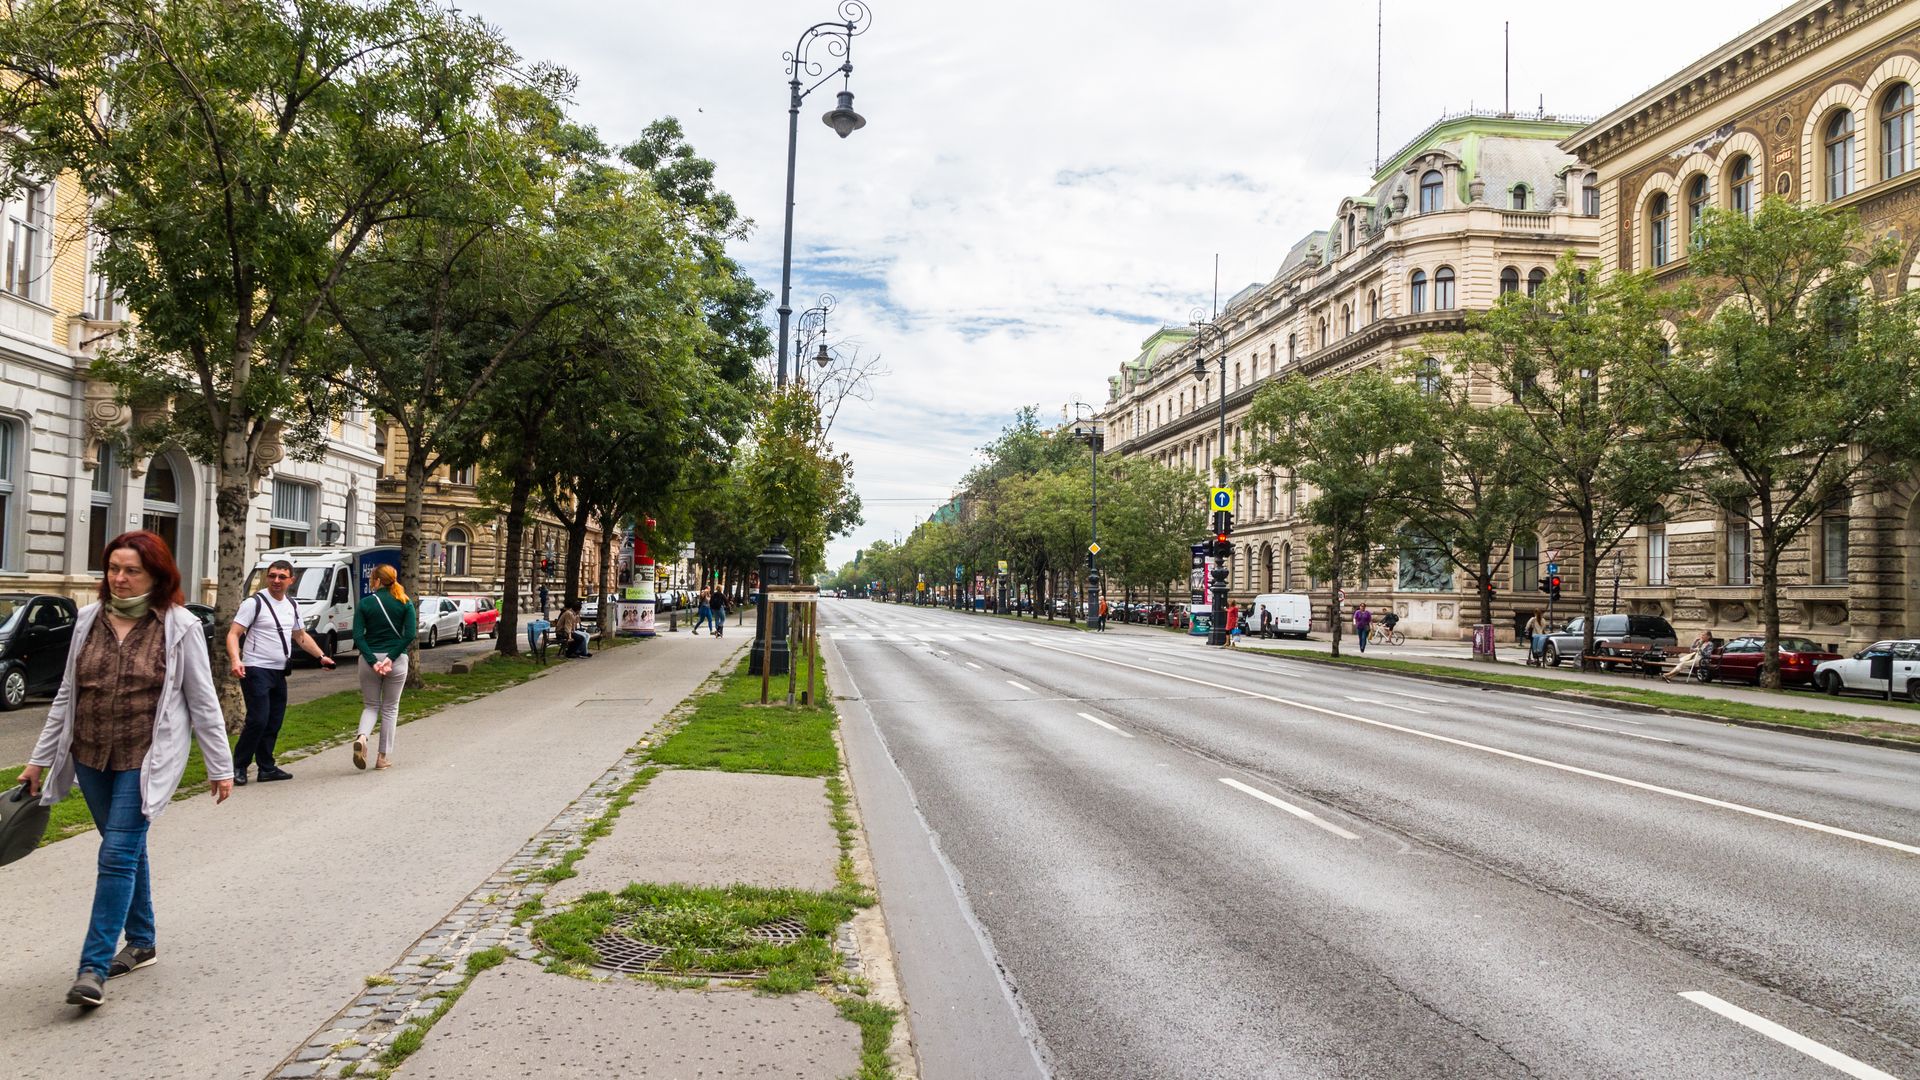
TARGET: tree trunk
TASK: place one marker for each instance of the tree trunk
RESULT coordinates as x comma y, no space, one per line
576,550
413,509
508,642
233,499
603,586
1334,619
1589,593
1480,586
1770,608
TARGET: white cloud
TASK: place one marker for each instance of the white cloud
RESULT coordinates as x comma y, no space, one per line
1040,185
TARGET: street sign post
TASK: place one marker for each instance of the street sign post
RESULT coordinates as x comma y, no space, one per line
1093,549
1222,500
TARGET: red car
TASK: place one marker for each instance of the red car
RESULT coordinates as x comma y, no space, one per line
478,616
1743,657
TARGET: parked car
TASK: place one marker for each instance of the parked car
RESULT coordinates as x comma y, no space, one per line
1609,630
35,631
1291,614
1853,673
478,616
209,622
440,620
1742,658
590,608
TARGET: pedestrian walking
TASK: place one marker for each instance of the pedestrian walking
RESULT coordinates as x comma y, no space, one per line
1362,625
718,601
138,691
544,610
1103,614
1266,623
384,626
1536,640
704,616
259,656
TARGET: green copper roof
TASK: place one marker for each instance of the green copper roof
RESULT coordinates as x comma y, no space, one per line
1468,129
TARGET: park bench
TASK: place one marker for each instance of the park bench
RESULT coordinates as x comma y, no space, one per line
1634,656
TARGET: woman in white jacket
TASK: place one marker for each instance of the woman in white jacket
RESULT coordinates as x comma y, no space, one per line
138,690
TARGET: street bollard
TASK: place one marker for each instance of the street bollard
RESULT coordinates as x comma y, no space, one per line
673,621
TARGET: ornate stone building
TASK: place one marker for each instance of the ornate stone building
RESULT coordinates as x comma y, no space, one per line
1475,206
1815,104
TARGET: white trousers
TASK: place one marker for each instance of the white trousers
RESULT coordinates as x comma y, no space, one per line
380,697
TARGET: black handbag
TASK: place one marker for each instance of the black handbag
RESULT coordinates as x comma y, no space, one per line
23,821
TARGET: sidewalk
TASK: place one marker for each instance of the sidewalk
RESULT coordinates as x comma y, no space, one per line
285,913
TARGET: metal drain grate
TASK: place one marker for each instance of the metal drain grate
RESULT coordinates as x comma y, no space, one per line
620,951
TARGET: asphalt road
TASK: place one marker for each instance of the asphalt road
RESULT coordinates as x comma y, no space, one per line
1186,863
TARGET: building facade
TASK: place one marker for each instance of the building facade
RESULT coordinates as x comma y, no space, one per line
1817,105
70,479
1476,206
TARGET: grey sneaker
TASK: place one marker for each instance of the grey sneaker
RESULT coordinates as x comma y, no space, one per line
88,991
131,958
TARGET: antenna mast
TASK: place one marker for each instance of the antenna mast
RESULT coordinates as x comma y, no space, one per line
1379,53
1506,68
1216,284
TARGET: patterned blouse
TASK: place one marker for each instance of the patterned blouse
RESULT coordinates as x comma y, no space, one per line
116,695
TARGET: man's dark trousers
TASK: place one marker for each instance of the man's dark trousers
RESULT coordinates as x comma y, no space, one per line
265,690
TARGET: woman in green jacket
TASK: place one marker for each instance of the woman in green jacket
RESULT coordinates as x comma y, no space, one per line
384,624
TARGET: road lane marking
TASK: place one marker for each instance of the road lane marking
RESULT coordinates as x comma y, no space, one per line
1104,724
1607,730
1017,686
975,666
1608,719
1390,705
1640,785
1416,697
1304,815
1820,1052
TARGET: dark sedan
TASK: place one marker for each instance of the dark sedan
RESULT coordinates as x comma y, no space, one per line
1743,658
35,632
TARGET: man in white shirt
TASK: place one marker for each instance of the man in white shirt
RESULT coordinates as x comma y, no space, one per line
269,621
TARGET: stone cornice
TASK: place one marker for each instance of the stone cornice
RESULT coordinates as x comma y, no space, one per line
1703,86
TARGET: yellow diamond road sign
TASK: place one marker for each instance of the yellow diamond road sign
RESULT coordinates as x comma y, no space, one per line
1093,549
1223,499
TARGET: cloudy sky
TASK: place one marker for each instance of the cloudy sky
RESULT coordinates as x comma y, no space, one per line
1041,185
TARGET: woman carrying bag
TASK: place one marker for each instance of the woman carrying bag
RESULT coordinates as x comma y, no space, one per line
138,691
384,624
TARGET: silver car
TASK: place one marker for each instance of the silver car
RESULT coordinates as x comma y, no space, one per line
440,620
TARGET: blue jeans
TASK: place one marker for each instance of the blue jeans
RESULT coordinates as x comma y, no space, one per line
265,691
122,894
1363,632
704,617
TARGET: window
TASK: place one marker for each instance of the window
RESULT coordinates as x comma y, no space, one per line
1237,381
26,243
1292,342
1509,281
1834,529
161,509
291,524
1697,202
1535,278
103,303
1839,156
1373,306
1417,298
1430,191
1443,289
100,510
1740,185
1658,222
1286,567
1739,547
1346,320
1896,132
1350,232
462,475
1657,547
1322,340
9,458
1526,563
1590,196
350,526
1519,196
456,552
1427,376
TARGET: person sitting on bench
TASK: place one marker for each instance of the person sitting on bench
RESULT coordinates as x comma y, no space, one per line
573,640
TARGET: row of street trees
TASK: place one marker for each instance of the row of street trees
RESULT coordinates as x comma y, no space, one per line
1028,502
1769,385
316,206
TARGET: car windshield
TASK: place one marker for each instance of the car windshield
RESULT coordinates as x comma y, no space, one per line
1800,644
10,609
307,582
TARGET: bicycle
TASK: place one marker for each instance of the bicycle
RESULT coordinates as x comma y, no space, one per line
1393,636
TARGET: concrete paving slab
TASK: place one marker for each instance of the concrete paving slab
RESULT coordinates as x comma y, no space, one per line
715,828
274,907
518,1021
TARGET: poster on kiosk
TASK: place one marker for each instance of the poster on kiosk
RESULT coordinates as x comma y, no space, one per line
636,607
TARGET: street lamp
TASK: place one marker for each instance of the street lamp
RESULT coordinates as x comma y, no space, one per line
776,562
1095,440
1203,329
812,325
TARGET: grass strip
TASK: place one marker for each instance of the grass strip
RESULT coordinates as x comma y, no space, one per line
413,1035
1684,703
729,730
316,725
876,1033
706,930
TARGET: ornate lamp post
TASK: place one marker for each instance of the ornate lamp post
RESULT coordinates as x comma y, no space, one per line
776,563
1095,439
811,327
1204,330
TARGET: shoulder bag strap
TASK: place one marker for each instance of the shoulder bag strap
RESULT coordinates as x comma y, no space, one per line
377,602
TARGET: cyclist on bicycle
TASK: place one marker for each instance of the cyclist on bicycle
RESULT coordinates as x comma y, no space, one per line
1390,619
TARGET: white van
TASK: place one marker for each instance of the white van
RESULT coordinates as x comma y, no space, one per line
328,582
1292,613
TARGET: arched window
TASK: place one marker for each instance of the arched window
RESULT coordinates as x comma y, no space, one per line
1535,278
1659,221
1519,196
350,523
1351,231
1431,187
457,545
1896,132
1373,306
162,509
1443,289
1417,294
1839,156
1509,281
1322,340
1740,186
1427,376
1697,202
1346,320
1590,196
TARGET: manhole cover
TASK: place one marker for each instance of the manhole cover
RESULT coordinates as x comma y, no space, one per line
621,951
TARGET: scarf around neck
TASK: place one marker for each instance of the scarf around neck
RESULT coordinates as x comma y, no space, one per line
134,607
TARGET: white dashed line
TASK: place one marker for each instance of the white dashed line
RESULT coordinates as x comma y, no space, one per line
1017,686
1304,815
975,666
1104,724
1390,705
1820,1052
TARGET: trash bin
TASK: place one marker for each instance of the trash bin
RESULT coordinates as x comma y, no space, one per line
1483,641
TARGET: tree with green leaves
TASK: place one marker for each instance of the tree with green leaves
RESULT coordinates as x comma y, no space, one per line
1796,382
1562,363
796,487
1347,439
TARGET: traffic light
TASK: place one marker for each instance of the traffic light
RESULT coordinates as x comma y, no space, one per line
1545,586
1222,547
1554,586
1486,586
1226,523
